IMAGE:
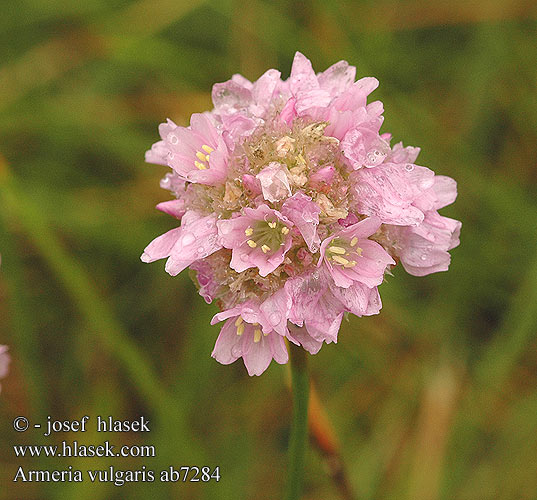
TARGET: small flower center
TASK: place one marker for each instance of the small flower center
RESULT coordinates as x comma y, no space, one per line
343,252
267,235
202,162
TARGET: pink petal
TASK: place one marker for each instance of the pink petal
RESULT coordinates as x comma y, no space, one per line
231,96
227,347
288,113
356,96
445,189
304,213
278,348
300,336
161,247
175,208
276,310
337,78
198,239
263,89
5,359
256,355
274,182
303,78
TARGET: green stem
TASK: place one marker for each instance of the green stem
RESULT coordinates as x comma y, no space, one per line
299,429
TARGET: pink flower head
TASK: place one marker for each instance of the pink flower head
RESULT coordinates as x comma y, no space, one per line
259,238
5,359
293,206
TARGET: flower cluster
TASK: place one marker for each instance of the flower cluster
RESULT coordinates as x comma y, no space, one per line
293,207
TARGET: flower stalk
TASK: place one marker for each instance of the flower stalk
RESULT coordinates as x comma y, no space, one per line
298,440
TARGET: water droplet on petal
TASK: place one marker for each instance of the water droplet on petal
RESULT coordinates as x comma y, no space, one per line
188,239
225,227
409,167
201,250
244,257
172,138
274,318
424,257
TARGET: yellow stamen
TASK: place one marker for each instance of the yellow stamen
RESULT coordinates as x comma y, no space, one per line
238,321
240,329
248,231
359,251
354,241
207,149
251,243
340,260
201,166
265,248
352,263
272,224
285,230
265,334
201,156
257,335
339,250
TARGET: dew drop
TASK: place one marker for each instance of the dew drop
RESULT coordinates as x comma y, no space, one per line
424,257
201,250
274,318
172,138
225,227
409,167
188,239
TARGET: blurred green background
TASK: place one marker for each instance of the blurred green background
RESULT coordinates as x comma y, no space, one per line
435,398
